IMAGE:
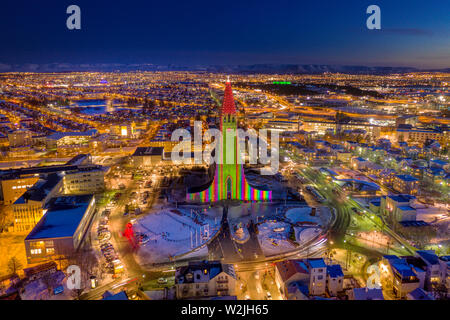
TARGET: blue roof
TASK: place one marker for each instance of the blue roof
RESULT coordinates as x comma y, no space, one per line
375,203
420,294
406,208
316,263
428,256
418,223
439,162
401,197
62,218
335,271
403,268
118,296
407,177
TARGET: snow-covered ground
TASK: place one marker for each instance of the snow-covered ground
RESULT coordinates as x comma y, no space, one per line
299,215
430,214
273,237
173,232
249,211
303,234
274,233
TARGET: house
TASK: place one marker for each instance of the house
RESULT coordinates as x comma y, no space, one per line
359,163
444,262
200,279
400,275
365,294
398,207
434,175
122,295
419,294
297,291
309,272
405,183
335,279
432,267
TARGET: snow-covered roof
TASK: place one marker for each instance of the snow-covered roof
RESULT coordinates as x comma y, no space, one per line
62,218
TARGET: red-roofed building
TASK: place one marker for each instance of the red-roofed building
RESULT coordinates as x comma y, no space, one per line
310,272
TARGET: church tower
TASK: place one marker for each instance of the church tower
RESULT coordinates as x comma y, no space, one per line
229,172
229,179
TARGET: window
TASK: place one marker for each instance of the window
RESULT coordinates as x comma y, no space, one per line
50,250
35,251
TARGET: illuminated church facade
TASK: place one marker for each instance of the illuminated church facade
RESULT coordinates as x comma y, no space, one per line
229,181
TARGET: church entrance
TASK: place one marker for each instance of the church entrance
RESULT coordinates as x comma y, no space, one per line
229,188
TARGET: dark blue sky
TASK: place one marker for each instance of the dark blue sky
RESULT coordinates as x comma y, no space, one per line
414,32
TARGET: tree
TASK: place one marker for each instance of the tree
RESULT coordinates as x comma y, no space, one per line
6,218
440,292
14,265
88,264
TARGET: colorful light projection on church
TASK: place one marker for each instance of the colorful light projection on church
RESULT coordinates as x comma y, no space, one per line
219,190
229,179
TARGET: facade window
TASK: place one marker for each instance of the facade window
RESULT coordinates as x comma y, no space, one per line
36,251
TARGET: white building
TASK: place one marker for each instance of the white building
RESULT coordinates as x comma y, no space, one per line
205,279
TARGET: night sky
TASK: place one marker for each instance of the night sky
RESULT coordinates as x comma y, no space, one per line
414,33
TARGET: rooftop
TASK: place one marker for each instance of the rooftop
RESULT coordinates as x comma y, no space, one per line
406,177
62,218
148,151
335,271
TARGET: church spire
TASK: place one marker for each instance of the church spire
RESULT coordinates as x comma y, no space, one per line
228,106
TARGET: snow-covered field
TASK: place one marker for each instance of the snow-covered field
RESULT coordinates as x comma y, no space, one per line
321,218
274,234
273,237
174,232
431,214
303,234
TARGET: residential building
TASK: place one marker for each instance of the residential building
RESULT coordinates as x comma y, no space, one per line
400,275
335,280
419,294
365,294
432,267
205,279
444,262
309,272
19,138
398,207
405,183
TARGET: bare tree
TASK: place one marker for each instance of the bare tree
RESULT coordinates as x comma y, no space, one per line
14,265
88,264
6,218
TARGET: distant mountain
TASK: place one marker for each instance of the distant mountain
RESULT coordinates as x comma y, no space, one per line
241,69
310,69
